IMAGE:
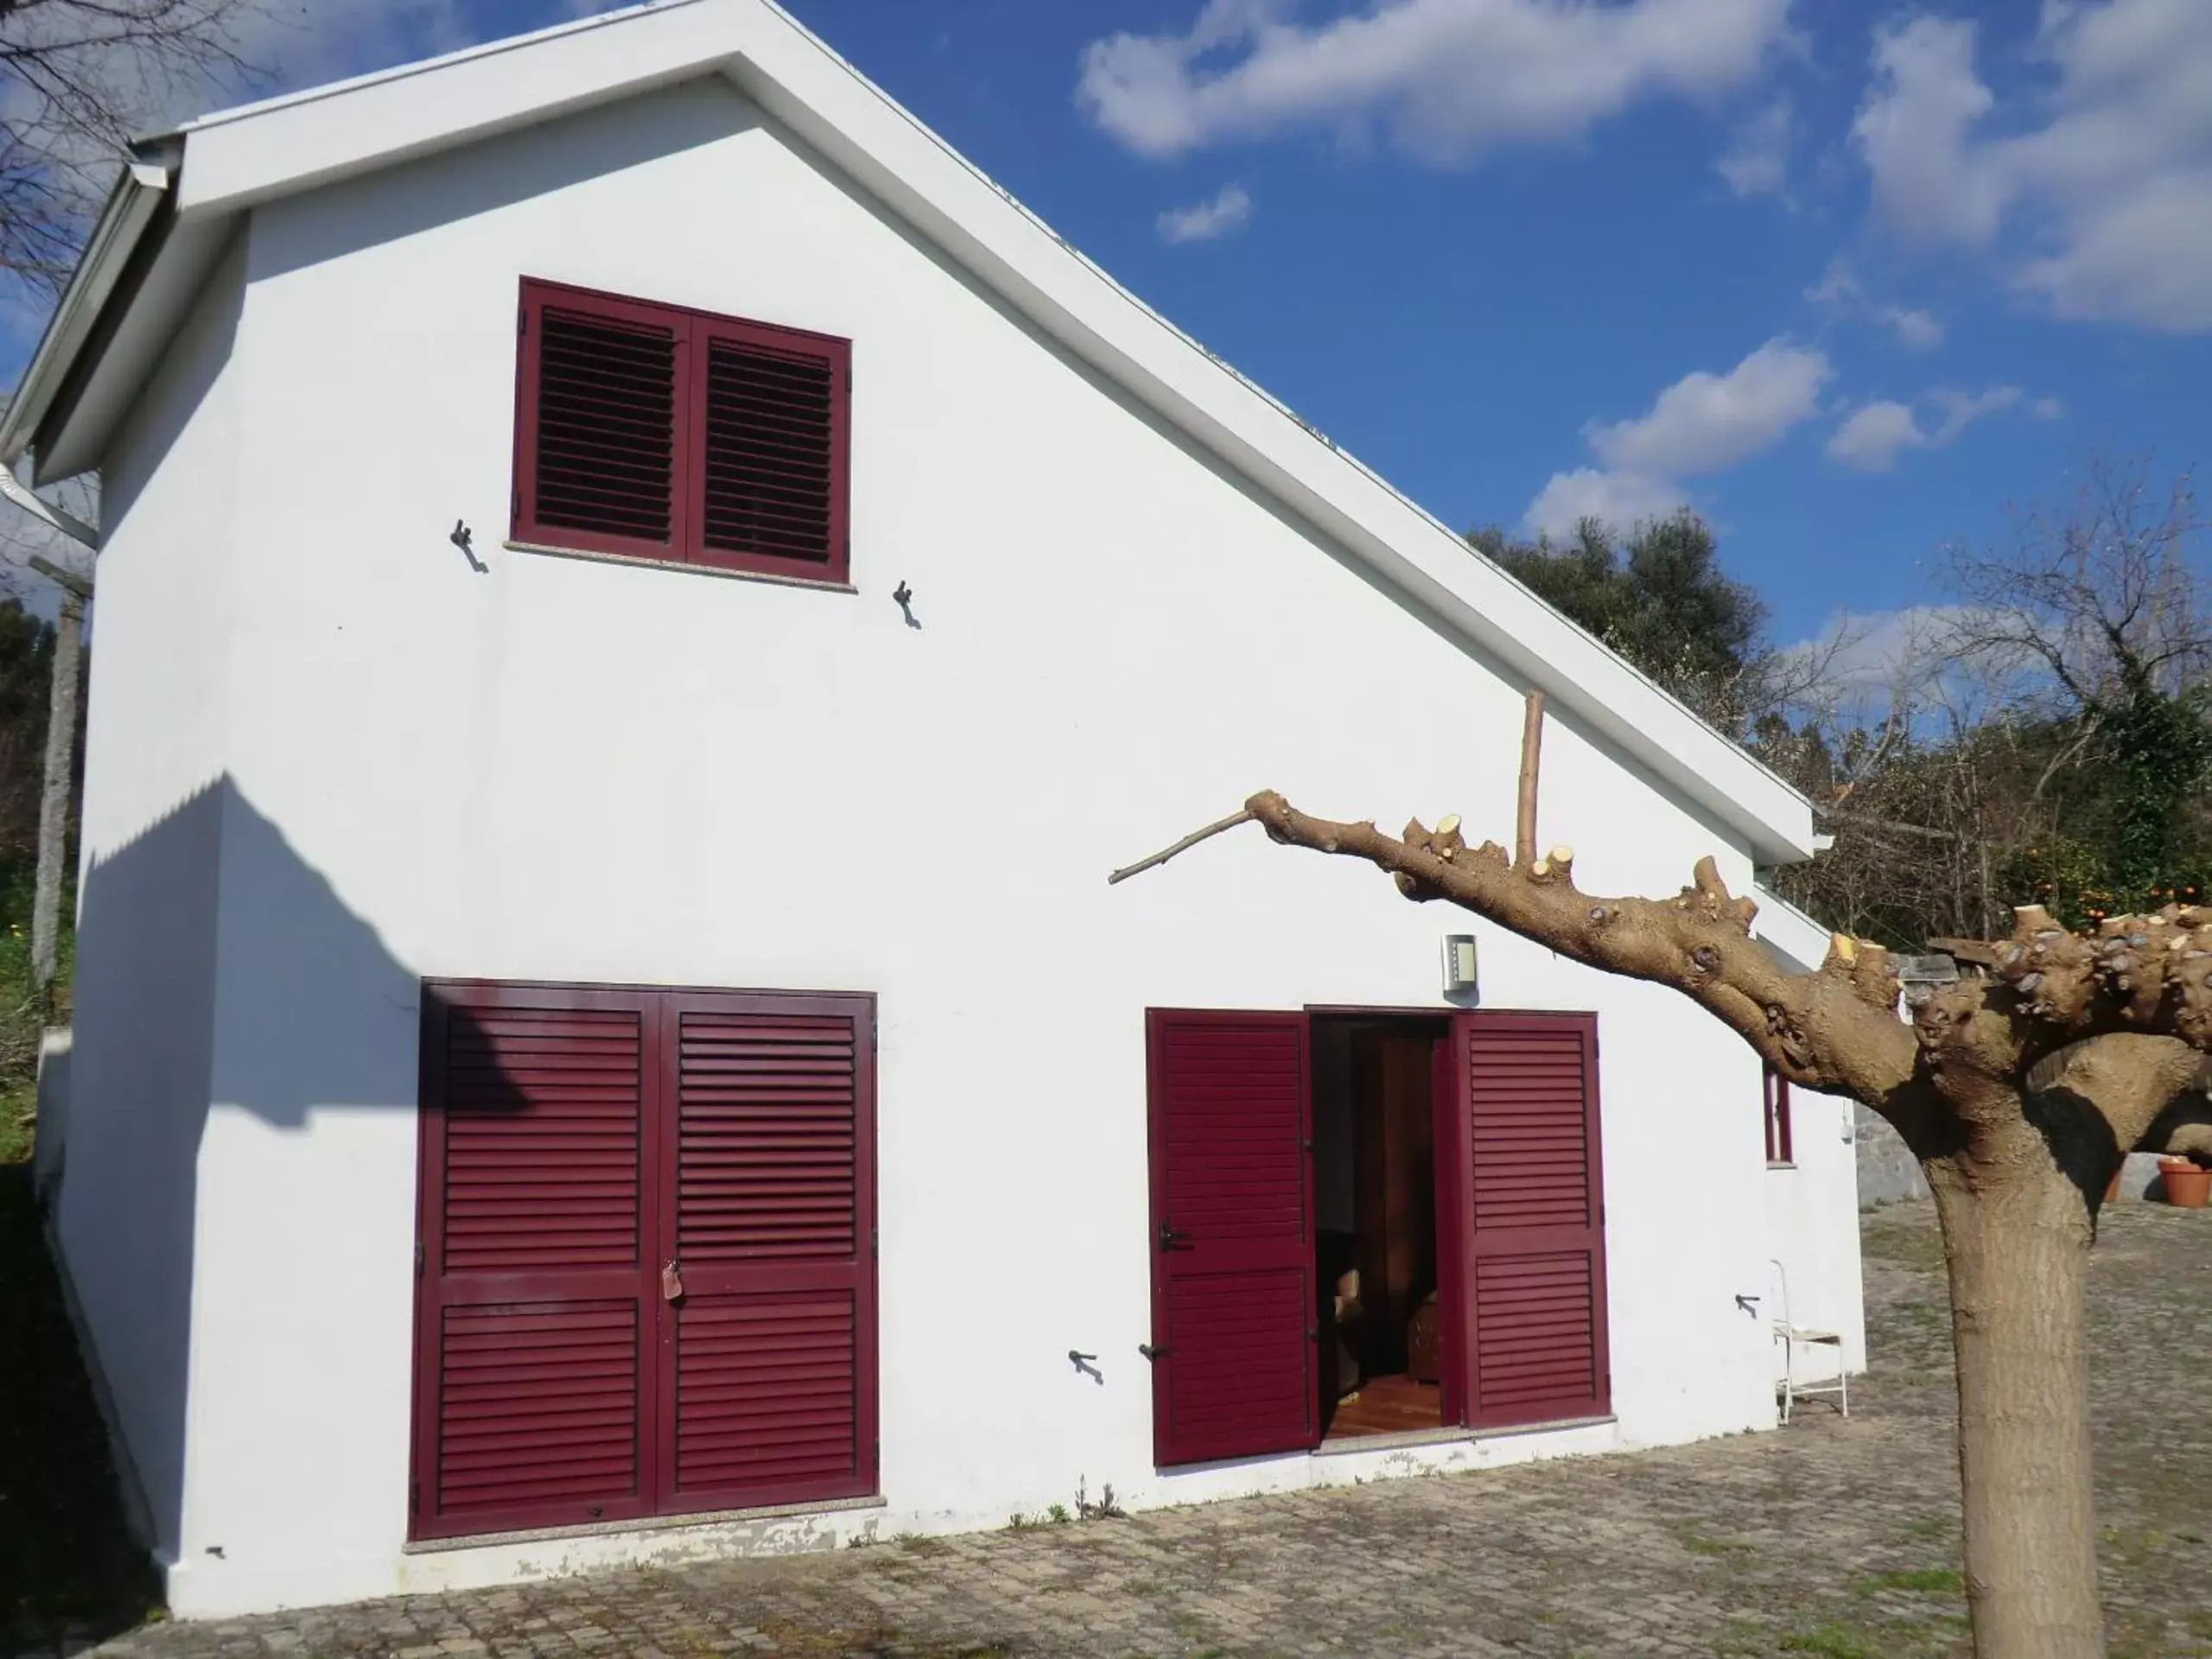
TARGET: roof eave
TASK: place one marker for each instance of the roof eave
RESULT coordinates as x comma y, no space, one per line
130,208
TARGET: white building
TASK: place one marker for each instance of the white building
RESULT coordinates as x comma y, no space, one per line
839,605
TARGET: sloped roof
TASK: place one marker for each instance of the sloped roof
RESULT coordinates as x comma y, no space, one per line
173,211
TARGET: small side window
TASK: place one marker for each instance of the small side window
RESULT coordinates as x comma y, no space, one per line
1777,1117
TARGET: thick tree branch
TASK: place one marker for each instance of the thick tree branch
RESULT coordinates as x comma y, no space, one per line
1970,1047
1835,1029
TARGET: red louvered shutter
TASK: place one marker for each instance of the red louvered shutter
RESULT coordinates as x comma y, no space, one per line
1534,1241
1232,1247
769,1213
533,1350
600,461
771,443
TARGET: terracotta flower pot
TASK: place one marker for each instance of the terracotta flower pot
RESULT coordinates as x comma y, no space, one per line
2187,1186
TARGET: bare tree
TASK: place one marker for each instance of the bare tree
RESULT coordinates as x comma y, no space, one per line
2019,1092
78,80
2100,620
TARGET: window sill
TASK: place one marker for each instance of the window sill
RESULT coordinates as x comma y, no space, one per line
1781,1163
1353,1443
644,1523
684,565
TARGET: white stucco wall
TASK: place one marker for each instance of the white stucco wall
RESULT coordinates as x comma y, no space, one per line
563,769
153,803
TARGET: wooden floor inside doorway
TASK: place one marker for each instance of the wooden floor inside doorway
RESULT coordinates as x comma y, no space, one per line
1388,1405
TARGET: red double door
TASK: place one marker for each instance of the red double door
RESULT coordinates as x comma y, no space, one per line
645,1269
1521,1249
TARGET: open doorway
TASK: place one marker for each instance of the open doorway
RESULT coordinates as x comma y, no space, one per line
1383,1350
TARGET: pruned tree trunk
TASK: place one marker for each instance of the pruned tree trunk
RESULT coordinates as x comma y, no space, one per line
2019,1257
53,802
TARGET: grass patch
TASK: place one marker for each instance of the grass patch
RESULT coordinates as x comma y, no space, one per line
1698,1546
1926,1580
23,1010
18,1114
1833,1641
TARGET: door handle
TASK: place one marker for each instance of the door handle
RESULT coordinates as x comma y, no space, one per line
1151,1352
672,1282
1171,1240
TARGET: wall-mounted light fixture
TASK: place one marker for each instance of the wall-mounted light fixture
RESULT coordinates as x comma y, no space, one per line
1459,964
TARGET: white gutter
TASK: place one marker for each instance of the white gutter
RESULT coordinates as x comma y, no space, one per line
54,518
129,210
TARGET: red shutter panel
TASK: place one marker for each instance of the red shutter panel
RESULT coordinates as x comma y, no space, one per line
599,462
771,1221
1536,1246
1232,1244
533,1366
771,450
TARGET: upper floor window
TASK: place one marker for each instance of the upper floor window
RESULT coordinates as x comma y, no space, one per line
663,433
1777,1117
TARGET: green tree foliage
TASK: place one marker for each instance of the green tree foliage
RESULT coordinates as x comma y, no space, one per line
1660,598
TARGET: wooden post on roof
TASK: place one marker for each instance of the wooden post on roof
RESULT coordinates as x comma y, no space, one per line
1524,817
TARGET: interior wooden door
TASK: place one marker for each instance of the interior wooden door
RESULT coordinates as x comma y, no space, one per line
1394,1138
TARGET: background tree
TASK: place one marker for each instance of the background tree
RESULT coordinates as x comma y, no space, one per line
1660,598
2043,733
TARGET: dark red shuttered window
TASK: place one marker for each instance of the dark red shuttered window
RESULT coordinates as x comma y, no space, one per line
647,1280
534,1362
1534,1241
772,442
660,432
773,1392
1232,1288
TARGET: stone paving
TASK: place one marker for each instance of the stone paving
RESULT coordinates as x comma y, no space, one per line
1827,1538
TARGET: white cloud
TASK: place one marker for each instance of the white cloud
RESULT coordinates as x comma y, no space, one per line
1912,132
2047,409
1920,330
1838,287
1756,163
2104,210
1840,291
1870,439
1621,499
1873,436
1705,422
1203,221
1961,410
1882,651
1447,79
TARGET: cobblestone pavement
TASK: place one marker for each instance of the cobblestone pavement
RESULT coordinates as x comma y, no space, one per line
1828,1538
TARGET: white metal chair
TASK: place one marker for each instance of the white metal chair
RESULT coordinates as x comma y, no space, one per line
1792,1336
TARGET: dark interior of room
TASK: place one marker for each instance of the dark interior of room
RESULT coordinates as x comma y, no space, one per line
1374,1214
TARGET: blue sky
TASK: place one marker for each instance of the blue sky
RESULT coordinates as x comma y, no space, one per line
1846,277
